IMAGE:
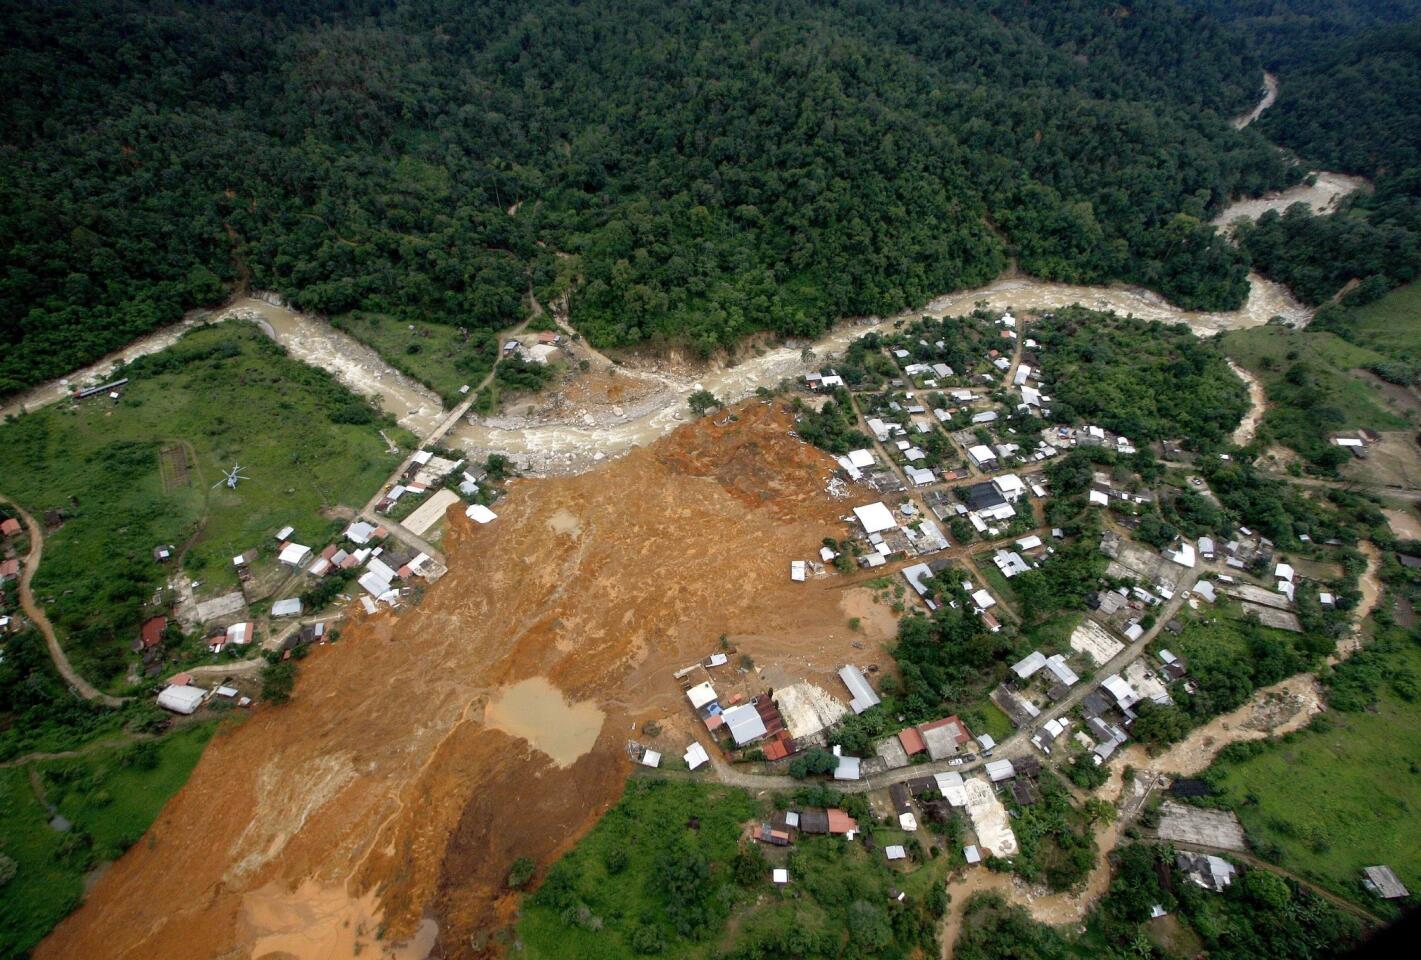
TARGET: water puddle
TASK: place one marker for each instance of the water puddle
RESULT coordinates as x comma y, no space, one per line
537,711
565,522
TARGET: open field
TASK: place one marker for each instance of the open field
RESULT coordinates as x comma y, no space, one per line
1271,351
1326,802
227,394
110,797
1391,325
440,356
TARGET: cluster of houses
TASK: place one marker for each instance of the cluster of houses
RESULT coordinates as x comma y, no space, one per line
10,530
535,348
426,471
886,534
786,826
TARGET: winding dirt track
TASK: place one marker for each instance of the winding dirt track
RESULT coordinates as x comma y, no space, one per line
36,613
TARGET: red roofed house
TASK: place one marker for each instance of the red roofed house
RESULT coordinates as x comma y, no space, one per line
911,740
841,822
150,634
776,750
10,527
9,569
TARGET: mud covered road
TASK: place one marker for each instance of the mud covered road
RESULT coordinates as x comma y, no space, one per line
379,799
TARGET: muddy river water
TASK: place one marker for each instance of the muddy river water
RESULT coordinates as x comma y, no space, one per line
568,446
306,338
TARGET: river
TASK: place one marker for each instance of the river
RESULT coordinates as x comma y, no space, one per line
574,441
568,446
306,338
1270,96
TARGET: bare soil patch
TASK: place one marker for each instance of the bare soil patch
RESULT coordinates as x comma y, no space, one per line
1394,461
380,791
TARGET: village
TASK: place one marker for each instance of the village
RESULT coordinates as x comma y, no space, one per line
958,489
951,497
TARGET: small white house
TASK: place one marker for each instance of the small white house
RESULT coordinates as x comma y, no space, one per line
695,756
479,513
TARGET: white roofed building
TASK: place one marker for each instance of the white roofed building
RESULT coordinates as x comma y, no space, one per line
479,513
863,694
744,723
294,554
875,517
181,698
695,756
701,694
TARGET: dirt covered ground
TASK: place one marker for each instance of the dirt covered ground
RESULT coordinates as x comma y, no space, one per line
379,808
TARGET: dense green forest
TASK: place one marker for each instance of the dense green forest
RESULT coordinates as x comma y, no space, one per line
1143,380
695,172
1350,100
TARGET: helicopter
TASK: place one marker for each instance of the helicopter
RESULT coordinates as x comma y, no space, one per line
230,477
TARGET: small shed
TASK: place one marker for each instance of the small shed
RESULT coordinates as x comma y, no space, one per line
479,513
1383,882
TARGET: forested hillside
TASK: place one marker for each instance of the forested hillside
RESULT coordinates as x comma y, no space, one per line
690,171
1349,100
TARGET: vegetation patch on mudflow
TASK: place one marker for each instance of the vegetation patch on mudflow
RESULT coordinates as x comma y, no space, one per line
60,818
669,871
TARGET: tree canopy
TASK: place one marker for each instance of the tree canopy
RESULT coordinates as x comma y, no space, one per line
688,172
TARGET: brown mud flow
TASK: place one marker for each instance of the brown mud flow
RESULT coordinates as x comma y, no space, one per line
382,807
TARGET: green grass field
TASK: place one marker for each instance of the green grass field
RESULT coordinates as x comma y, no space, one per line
1270,351
110,796
225,394
1392,325
996,583
436,354
1325,803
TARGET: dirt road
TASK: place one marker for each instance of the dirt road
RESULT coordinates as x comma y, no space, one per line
379,799
1257,405
36,613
